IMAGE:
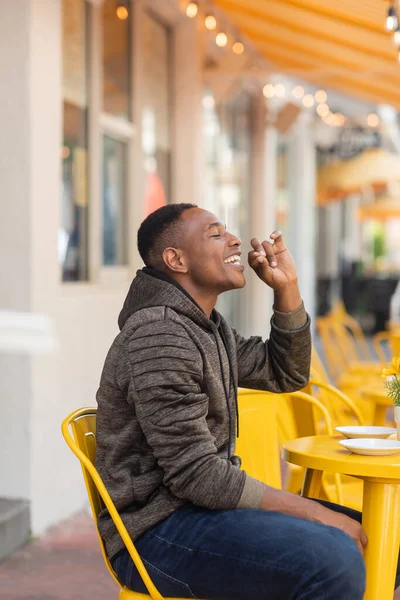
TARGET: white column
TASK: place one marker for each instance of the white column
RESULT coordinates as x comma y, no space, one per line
15,238
30,139
302,211
187,167
264,175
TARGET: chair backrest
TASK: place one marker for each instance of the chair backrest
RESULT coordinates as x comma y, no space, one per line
82,423
258,443
266,421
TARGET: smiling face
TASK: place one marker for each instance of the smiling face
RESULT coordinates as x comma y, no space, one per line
211,255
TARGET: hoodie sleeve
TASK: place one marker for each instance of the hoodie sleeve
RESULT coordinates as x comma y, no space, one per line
282,363
166,377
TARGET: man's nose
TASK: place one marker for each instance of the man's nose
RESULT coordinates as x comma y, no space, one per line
234,240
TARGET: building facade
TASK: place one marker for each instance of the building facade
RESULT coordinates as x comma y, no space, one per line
108,110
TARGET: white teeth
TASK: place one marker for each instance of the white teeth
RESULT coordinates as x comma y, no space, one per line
232,259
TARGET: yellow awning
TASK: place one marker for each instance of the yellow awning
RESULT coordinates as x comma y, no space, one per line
337,44
374,168
384,208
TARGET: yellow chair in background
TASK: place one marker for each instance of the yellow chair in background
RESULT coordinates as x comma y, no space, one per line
82,442
267,421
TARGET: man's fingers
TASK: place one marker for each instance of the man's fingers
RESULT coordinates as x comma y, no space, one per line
255,258
279,245
257,246
363,538
270,253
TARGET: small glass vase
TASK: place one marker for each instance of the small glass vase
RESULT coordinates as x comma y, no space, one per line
397,420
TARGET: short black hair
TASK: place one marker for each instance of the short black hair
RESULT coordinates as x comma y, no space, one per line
160,230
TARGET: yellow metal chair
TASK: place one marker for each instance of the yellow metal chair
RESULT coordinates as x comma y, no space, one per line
82,442
267,421
343,411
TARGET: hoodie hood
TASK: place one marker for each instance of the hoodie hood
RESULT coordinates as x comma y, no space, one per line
152,288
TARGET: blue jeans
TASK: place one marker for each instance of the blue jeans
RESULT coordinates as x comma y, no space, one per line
247,554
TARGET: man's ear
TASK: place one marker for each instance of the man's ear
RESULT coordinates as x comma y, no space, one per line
175,261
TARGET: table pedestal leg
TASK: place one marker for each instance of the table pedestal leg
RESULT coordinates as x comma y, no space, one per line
381,521
312,483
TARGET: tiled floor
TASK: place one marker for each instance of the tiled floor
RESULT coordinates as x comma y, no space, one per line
65,564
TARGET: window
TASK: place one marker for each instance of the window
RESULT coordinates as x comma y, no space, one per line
73,232
117,58
116,128
114,195
156,113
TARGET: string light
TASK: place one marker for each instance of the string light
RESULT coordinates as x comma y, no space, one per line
323,110
321,96
391,19
340,120
396,37
221,39
191,10
298,92
269,90
122,12
308,100
208,102
210,22
280,90
238,48
373,120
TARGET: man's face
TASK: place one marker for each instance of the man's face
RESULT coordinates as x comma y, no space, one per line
212,254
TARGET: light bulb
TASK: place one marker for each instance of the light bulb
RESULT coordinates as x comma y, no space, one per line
208,102
321,96
308,100
391,20
328,120
269,90
340,120
210,22
298,92
323,110
280,90
221,39
238,48
191,10
373,120
122,12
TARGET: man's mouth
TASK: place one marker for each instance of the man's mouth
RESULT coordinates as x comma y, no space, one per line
232,260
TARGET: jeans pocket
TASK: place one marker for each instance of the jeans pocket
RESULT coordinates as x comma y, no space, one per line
168,586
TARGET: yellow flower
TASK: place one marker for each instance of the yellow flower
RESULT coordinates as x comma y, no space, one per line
394,368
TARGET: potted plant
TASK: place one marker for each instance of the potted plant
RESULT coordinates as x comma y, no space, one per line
392,384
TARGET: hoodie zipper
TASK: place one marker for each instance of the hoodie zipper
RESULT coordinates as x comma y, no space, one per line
227,390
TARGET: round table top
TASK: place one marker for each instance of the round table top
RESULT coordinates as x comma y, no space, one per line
378,395
323,453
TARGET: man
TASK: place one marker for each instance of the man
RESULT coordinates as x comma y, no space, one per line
167,422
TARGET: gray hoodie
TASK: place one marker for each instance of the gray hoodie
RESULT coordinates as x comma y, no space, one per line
167,404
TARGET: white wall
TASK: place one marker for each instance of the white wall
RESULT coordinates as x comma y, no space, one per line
36,393
15,291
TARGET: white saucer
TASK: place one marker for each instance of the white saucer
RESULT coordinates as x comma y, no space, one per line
371,447
370,431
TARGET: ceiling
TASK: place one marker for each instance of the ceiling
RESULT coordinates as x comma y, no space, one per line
340,45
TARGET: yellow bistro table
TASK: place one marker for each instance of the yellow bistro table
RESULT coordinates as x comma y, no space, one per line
379,398
381,500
